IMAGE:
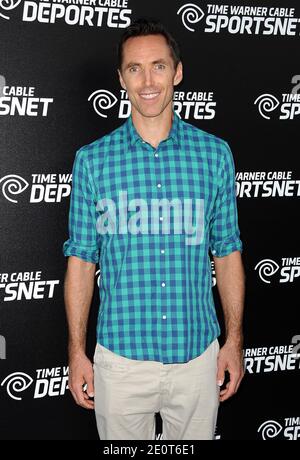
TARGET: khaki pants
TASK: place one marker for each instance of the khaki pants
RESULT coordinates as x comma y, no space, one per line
128,393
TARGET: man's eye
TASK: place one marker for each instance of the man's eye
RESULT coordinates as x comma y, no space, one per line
160,66
133,69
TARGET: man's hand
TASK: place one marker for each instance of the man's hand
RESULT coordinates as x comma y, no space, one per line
230,359
81,374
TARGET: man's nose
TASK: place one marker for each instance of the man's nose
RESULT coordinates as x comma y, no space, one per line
148,77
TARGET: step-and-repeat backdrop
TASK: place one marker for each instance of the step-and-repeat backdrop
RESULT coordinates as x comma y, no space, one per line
58,91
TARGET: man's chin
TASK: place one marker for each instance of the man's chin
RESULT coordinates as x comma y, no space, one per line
150,112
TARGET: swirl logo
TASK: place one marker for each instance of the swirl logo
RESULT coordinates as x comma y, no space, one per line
103,100
190,14
269,429
266,103
266,267
15,383
13,184
8,5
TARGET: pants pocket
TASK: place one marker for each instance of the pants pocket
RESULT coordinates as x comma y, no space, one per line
106,359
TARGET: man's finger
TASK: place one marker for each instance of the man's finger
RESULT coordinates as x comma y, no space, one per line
230,388
80,397
87,404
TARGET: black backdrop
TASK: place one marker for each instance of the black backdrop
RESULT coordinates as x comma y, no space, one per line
58,91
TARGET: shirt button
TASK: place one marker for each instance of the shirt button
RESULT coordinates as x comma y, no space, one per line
161,218
156,154
158,185
164,317
162,251
214,251
163,284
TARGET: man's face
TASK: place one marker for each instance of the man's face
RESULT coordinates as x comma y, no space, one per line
148,74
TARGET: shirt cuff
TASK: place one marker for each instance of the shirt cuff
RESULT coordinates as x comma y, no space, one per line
222,249
89,254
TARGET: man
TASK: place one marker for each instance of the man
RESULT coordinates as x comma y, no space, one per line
148,202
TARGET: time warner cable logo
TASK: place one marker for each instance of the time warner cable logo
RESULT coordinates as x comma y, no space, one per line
288,104
102,100
190,14
49,382
289,270
48,188
92,13
240,19
289,429
199,105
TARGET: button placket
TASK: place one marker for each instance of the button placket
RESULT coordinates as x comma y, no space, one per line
162,251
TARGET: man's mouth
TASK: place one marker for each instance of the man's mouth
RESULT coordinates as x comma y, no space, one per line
149,96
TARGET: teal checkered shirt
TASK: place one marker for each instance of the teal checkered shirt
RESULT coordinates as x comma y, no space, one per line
156,300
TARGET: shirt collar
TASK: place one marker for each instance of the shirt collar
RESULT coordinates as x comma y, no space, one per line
134,136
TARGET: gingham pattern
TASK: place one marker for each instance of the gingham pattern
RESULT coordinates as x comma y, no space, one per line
139,317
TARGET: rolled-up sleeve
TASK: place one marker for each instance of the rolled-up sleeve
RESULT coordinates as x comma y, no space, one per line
224,230
82,240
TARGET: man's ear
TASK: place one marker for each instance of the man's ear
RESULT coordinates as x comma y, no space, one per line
121,80
179,74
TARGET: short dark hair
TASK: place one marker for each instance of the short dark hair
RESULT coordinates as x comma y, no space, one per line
143,27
